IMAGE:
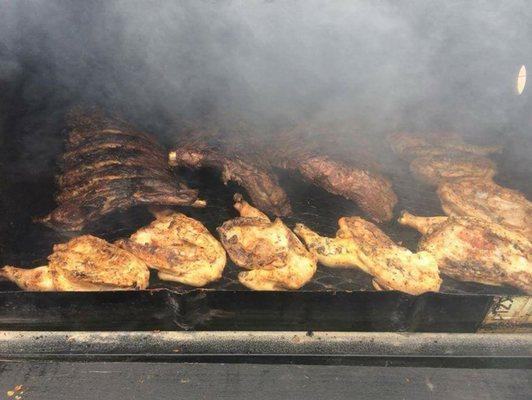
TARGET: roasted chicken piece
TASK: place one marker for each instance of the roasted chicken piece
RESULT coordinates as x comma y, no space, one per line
436,169
260,182
472,249
85,263
361,244
109,166
484,199
412,145
275,257
180,248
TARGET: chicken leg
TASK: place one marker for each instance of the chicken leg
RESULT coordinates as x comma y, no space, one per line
85,263
275,257
471,249
360,244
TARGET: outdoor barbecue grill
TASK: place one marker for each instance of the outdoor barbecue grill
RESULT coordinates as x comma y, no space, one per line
69,62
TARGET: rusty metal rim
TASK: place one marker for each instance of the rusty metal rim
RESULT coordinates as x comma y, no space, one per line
14,344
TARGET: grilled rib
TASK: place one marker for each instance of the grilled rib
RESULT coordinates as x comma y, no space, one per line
369,190
109,166
332,162
73,179
260,183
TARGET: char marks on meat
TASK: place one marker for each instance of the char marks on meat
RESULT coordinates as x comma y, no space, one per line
369,190
109,166
475,250
259,181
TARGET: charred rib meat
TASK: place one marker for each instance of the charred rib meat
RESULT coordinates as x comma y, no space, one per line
369,190
259,181
348,173
109,166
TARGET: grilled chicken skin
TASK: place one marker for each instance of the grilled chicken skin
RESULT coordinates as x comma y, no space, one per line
488,201
180,248
471,249
85,263
412,145
275,257
437,169
360,244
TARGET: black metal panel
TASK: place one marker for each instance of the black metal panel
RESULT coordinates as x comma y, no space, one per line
242,310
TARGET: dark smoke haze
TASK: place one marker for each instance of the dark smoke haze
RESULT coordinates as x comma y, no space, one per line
443,64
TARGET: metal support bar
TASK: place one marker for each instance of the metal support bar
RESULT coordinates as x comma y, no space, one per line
355,344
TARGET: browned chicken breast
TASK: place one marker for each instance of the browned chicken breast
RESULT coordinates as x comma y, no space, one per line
85,263
471,249
275,257
484,199
180,248
412,145
360,244
434,170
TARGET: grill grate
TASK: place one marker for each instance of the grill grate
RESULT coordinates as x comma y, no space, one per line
28,243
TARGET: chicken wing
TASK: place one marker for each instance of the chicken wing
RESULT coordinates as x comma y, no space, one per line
488,201
361,244
275,257
85,263
436,169
180,248
471,249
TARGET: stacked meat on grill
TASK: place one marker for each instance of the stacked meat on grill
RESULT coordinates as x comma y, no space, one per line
109,166
248,155
331,156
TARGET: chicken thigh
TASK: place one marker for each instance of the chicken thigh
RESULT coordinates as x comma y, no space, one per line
275,257
85,263
360,244
436,169
484,199
411,145
471,249
180,248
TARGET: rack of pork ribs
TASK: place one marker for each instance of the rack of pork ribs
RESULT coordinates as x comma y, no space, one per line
254,176
109,166
248,158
